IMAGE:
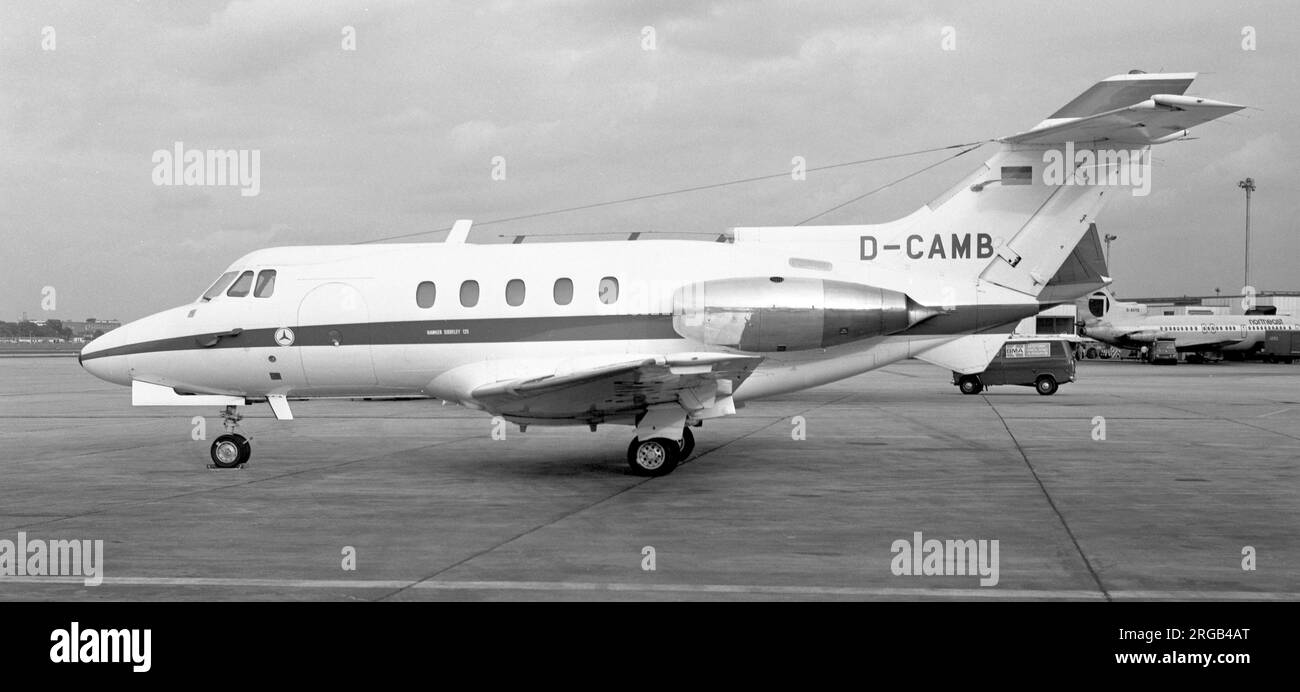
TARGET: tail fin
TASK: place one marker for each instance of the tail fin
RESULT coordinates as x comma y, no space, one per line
1103,304
1004,232
1098,144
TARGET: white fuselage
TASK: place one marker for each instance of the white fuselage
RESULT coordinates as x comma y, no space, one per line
1189,332
357,329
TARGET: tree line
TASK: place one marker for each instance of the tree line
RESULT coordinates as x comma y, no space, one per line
52,329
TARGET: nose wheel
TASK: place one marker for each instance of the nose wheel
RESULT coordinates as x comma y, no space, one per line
231,450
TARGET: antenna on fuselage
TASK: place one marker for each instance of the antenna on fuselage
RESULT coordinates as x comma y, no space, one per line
459,232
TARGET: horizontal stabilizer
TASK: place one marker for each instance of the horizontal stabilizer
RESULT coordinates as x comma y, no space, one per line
1135,109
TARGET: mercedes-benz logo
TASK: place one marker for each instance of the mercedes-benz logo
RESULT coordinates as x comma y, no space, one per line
284,336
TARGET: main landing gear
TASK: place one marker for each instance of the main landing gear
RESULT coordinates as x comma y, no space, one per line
658,456
231,449
970,384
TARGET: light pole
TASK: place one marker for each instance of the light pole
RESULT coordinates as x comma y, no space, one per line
1109,238
1249,186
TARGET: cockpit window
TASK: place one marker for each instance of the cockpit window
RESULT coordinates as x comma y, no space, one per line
215,289
240,288
265,283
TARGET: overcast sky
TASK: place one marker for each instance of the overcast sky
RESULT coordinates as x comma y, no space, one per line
398,136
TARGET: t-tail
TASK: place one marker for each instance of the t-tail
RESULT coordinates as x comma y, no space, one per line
1103,305
1020,229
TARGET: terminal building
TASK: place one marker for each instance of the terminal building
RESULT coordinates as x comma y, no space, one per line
1283,302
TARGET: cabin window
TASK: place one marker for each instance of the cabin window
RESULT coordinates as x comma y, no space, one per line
425,294
265,284
469,293
563,291
242,285
515,292
215,289
608,290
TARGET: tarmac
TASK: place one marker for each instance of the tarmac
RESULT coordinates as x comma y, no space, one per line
1195,465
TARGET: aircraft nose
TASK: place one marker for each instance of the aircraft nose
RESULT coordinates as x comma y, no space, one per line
105,357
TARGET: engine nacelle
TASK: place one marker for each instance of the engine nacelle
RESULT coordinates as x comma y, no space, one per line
766,314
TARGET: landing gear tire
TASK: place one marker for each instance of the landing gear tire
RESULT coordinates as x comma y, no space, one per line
688,444
1045,385
230,450
657,456
970,384
1091,353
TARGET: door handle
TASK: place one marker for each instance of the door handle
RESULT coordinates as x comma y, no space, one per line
209,340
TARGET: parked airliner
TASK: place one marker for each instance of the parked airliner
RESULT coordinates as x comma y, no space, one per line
659,335
1127,325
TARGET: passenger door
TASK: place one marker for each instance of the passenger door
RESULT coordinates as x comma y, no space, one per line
335,337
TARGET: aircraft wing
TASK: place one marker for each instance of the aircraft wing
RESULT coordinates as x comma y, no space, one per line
1162,117
1210,340
1185,341
701,382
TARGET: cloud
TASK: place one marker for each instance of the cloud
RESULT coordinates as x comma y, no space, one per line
253,40
181,199
397,136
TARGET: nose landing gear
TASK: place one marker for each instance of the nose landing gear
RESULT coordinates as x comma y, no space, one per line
230,450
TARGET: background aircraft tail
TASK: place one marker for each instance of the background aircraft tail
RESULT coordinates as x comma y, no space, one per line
1103,304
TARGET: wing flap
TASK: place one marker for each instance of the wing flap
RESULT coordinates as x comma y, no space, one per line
700,382
523,387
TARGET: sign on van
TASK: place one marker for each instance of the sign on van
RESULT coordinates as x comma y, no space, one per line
1039,349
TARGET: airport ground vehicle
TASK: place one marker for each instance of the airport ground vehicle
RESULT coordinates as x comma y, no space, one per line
1043,364
1092,349
1163,351
1281,347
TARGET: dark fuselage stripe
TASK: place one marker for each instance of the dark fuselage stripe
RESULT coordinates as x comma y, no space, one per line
425,332
962,320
